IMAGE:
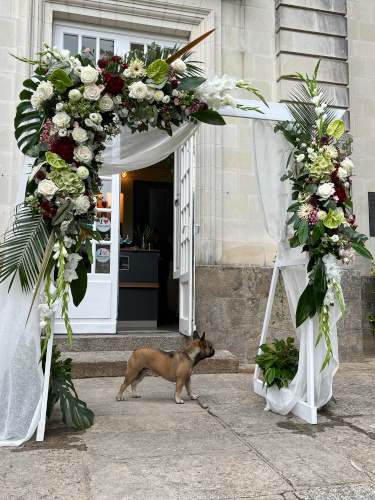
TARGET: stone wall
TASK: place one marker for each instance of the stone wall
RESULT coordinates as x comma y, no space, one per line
231,304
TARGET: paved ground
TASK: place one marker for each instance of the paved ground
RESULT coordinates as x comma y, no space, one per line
224,447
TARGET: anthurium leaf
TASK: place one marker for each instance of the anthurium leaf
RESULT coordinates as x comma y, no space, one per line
209,116
60,80
191,83
56,161
336,128
306,306
157,70
78,286
320,284
361,250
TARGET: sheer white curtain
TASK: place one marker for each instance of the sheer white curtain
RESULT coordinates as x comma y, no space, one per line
21,376
271,152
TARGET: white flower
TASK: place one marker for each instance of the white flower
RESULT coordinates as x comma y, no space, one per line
166,99
65,54
59,106
64,226
96,117
304,210
105,103
99,128
68,242
127,73
82,204
310,150
150,94
74,62
52,289
45,90
89,123
342,173
36,101
73,259
330,152
82,173
88,75
319,110
159,94
179,66
63,132
61,120
335,238
75,95
332,269
99,158
43,323
47,189
70,275
83,154
303,145
228,101
123,112
138,90
300,157
175,92
313,156
77,71
326,190
316,99
47,59
79,135
348,165
92,92
329,296
321,215
45,311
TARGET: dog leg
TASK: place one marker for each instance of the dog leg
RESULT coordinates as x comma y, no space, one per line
190,390
179,385
141,375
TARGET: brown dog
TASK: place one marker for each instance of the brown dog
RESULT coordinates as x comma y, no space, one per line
175,366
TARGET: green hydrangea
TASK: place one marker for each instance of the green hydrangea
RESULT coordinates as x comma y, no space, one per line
321,169
68,182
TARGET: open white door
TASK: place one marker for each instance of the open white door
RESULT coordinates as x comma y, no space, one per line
183,246
97,313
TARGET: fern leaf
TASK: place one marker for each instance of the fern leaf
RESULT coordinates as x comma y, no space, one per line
23,248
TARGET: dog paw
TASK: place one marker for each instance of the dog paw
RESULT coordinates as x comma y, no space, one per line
119,398
181,402
136,396
194,396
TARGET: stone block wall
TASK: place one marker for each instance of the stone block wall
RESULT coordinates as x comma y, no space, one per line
231,303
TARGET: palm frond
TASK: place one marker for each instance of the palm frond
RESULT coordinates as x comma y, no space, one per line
23,248
303,111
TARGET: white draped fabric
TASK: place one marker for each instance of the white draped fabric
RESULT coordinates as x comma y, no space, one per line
21,376
270,154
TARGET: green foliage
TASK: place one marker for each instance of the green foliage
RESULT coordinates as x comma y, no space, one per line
78,287
336,128
24,247
209,116
158,71
279,362
190,83
60,80
62,388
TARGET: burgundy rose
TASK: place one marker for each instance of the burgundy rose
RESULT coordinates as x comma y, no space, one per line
174,83
124,66
114,83
102,63
40,175
45,205
64,148
116,59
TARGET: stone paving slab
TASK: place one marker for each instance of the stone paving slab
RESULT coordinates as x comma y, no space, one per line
347,492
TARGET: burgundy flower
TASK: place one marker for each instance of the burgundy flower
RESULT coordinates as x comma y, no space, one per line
324,140
116,59
64,148
204,107
40,175
102,63
313,201
114,83
174,83
45,205
91,207
124,66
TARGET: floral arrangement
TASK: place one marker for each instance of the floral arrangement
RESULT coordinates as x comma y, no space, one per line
69,109
320,170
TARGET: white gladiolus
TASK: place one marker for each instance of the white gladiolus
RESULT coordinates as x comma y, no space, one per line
65,54
70,275
68,242
72,261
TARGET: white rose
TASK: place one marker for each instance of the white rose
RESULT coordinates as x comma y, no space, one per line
347,164
82,173
300,157
65,54
83,154
179,66
59,106
88,75
82,204
326,190
45,90
61,120
47,189
36,101
91,92
150,93
75,95
70,275
79,134
138,90
105,103
166,99
158,96
335,238
96,117
342,173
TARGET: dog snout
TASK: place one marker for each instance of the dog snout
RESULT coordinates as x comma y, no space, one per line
212,352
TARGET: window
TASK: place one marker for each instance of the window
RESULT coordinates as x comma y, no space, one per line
103,43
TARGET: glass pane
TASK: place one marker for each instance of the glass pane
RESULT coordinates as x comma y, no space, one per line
137,46
103,226
71,43
89,43
107,48
103,259
105,198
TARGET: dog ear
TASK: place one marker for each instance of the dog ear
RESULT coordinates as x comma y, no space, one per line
195,335
203,336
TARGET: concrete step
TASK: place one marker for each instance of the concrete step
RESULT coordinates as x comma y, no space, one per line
113,363
167,341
